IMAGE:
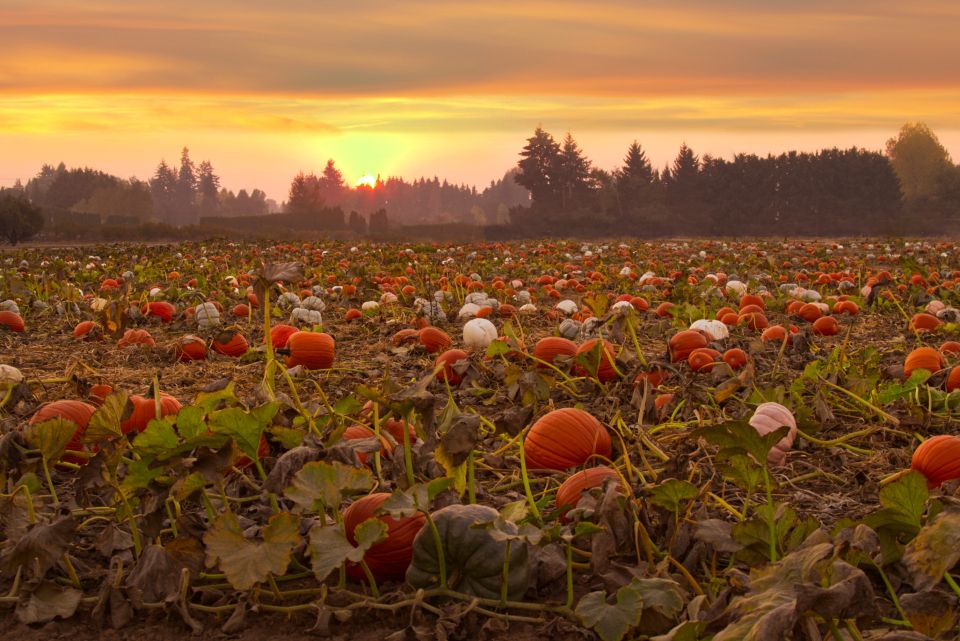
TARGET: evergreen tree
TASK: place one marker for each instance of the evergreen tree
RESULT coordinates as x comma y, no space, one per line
331,183
573,175
208,190
185,212
540,160
163,189
635,181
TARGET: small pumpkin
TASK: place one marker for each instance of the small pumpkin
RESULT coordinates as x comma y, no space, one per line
312,350
922,358
923,322
404,336
279,334
753,320
810,312
190,348
702,359
767,418
735,358
230,342
550,347
570,491
240,310
76,412
938,459
847,307
159,309
776,333
434,340
133,337
388,559
87,330
12,321
360,432
565,438
474,557
141,410
605,368
826,326
445,363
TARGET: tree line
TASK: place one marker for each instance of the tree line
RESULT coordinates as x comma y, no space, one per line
912,189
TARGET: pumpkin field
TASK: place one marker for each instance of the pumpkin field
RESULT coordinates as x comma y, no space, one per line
672,440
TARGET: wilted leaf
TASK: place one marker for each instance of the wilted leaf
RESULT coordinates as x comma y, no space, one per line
671,494
932,612
320,485
50,437
190,422
934,550
718,534
156,575
47,602
105,422
43,543
291,272
329,547
611,622
247,562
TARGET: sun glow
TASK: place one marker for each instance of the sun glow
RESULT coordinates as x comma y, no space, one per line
367,181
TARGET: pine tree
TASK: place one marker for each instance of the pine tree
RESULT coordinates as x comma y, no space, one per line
573,175
163,189
331,183
208,190
538,166
636,179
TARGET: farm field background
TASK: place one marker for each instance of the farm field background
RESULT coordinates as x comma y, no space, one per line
677,440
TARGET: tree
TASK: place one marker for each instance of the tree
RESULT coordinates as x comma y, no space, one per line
540,160
208,190
919,160
331,183
19,219
635,181
357,223
163,189
378,222
304,197
185,208
573,175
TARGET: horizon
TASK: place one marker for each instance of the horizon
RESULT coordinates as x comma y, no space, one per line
453,91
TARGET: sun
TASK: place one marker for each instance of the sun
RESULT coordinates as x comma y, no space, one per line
367,181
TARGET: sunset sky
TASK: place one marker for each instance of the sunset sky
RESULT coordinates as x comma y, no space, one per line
266,89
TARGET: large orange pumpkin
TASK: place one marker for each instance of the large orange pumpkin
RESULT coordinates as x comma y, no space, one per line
77,412
682,343
826,326
550,347
953,379
434,340
388,559
570,491
922,358
565,438
606,367
735,358
279,334
446,361
938,459
230,342
313,350
923,322
141,410
12,321
190,348
161,309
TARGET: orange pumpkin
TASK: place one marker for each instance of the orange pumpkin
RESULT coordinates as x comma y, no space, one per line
723,311
923,322
359,432
735,358
664,310
550,347
953,379
951,348
606,367
98,393
565,438
751,299
846,307
684,342
826,326
388,559
702,359
570,491
753,320
161,309
810,312
313,350
230,342
776,333
279,334
922,358
446,362
434,340
87,330
394,428
136,337
241,310
190,348
141,410
405,336
938,459
353,314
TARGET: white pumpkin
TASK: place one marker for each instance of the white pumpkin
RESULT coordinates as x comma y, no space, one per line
303,316
767,418
478,333
313,303
469,310
714,329
9,376
569,328
528,308
737,287
934,307
286,300
370,307
567,307
388,298
9,306
207,315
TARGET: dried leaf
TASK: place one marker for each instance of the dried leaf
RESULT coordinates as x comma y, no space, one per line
934,550
247,562
47,602
320,485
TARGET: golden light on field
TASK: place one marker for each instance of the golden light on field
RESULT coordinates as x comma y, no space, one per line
367,181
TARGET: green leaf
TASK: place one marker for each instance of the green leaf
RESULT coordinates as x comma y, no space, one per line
497,348
139,474
671,494
159,437
209,401
186,486
611,622
348,406
329,549
105,422
739,437
742,471
190,422
369,533
245,428
247,562
320,485
934,550
50,437
896,391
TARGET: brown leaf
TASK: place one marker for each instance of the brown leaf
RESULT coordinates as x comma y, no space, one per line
850,598
47,602
932,612
45,543
718,534
934,550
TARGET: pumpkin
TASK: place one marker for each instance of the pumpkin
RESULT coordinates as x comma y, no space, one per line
445,363
570,491
750,309
604,368
653,378
434,340
279,334
312,350
76,412
751,299
388,559
190,348
141,410
394,428
776,333
160,309
474,556
951,348
846,307
922,358
730,319
702,359
723,311
12,321
767,418
565,438
953,379
664,310
714,330
753,320
135,337
682,343
810,312
938,459
826,326
241,310
87,330
923,322
353,314
230,342
507,311
98,393
735,358
360,432
550,347
404,336
478,333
